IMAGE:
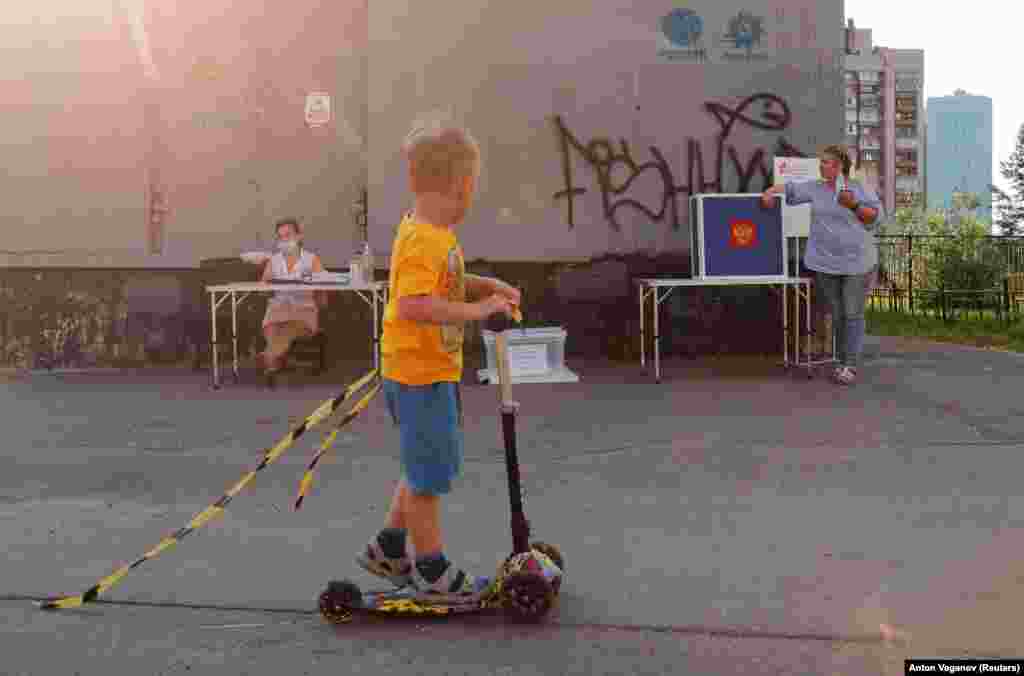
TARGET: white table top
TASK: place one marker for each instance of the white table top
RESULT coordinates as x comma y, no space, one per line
270,286
726,281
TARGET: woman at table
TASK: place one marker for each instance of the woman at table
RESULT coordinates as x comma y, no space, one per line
290,314
840,249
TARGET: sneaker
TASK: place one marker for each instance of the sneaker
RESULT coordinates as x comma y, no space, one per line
397,571
846,375
454,585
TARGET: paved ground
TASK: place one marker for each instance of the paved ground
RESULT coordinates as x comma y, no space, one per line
731,520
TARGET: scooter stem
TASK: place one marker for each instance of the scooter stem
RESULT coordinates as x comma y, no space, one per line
509,409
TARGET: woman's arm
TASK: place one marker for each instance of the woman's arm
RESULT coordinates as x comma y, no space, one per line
864,204
867,215
795,194
320,297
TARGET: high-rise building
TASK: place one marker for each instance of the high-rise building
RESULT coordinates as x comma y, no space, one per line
960,151
885,127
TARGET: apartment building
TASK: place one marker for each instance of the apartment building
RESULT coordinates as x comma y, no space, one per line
885,123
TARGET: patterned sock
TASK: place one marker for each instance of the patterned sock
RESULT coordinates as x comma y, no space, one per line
432,566
392,542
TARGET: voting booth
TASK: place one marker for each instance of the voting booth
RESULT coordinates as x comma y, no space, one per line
736,236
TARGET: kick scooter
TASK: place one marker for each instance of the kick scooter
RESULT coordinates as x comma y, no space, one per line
528,581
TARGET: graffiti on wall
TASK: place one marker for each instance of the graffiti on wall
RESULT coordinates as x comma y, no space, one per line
765,112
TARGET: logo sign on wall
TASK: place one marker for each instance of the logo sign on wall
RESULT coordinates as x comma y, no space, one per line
318,109
681,36
743,38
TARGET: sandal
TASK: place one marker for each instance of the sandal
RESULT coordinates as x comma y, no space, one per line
846,375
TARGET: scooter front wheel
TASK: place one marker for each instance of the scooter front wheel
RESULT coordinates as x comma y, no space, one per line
527,596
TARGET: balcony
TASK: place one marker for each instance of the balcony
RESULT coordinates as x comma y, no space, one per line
907,199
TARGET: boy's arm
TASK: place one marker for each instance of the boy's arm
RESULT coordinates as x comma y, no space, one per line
485,287
479,287
416,279
437,310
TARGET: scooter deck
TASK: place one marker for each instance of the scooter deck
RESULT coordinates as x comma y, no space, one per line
401,603
530,582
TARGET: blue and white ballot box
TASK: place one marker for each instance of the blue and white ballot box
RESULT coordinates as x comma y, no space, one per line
734,236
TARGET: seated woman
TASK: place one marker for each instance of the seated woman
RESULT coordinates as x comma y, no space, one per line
290,314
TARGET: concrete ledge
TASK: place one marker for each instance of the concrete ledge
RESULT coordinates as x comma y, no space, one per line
489,376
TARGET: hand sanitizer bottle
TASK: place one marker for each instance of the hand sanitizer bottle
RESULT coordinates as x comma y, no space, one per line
367,266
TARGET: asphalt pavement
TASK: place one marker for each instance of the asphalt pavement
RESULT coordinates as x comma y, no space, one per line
732,519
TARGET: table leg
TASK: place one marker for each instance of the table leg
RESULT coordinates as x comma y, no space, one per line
657,338
643,337
785,326
796,324
807,337
234,333
213,341
376,331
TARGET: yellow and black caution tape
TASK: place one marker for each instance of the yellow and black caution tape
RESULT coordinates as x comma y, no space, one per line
307,478
217,508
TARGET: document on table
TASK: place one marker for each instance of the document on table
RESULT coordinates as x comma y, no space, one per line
526,359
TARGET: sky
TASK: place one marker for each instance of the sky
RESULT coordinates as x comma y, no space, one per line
975,46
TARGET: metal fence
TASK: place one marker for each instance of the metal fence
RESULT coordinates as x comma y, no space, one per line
951,276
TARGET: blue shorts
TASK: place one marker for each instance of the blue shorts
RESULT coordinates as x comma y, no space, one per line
429,420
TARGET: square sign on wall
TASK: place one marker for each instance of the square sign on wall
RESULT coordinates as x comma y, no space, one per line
318,109
734,236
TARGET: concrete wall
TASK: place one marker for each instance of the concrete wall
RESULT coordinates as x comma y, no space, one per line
108,104
509,70
198,107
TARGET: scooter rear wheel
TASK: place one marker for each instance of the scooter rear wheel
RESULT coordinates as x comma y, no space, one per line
339,600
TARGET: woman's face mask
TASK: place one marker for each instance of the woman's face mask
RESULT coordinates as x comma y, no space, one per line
287,245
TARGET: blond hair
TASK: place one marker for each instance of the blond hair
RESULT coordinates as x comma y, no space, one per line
440,153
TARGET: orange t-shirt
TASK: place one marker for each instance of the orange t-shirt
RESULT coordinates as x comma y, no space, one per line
425,260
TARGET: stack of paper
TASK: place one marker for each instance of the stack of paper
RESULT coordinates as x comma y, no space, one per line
331,277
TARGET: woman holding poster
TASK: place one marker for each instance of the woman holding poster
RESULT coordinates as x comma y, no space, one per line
840,249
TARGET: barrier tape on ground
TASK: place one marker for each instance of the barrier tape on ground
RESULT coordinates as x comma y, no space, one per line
325,410
307,478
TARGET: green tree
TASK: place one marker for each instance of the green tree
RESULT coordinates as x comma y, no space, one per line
1010,204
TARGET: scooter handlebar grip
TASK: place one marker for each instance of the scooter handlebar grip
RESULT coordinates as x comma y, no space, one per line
498,323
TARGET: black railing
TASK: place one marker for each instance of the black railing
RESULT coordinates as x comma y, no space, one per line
951,276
